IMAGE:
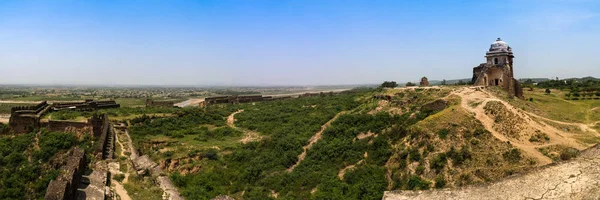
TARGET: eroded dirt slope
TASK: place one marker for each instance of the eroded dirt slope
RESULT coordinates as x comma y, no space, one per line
510,124
576,179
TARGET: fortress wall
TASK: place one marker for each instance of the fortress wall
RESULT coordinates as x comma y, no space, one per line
66,184
53,125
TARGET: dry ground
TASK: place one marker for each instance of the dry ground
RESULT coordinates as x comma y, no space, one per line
528,124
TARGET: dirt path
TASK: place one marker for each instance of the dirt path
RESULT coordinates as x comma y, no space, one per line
120,190
123,155
343,171
4,119
165,184
249,136
231,118
477,95
576,179
313,140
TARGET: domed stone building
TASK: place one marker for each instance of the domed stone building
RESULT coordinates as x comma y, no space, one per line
424,82
498,70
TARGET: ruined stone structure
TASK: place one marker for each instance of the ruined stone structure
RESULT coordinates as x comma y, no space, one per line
25,119
237,99
424,82
320,94
105,135
152,103
65,185
86,105
256,98
498,70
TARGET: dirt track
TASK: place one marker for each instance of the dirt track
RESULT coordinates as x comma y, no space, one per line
470,95
249,135
313,140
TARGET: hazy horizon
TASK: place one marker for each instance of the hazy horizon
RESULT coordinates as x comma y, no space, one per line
288,43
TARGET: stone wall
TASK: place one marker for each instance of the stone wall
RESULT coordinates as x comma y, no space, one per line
86,105
102,130
64,126
66,184
25,119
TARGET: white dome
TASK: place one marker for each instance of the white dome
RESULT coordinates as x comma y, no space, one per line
500,46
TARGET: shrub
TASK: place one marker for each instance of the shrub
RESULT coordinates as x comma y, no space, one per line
568,153
465,179
211,154
513,155
420,169
442,133
547,91
459,157
119,177
414,154
389,84
168,154
480,131
440,181
539,137
416,183
531,99
438,162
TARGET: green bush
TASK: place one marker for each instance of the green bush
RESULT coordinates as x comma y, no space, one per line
513,155
420,169
414,154
568,153
458,157
417,183
438,162
119,177
440,181
442,133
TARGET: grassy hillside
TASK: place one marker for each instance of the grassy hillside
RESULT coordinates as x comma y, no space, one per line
352,146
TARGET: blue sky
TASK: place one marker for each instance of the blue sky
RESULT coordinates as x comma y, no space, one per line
277,42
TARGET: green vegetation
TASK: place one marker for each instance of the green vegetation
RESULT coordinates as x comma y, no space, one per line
143,188
559,152
554,106
122,113
119,177
389,84
539,137
21,178
513,156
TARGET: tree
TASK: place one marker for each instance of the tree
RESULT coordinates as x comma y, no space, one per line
547,90
444,82
389,84
460,82
410,84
